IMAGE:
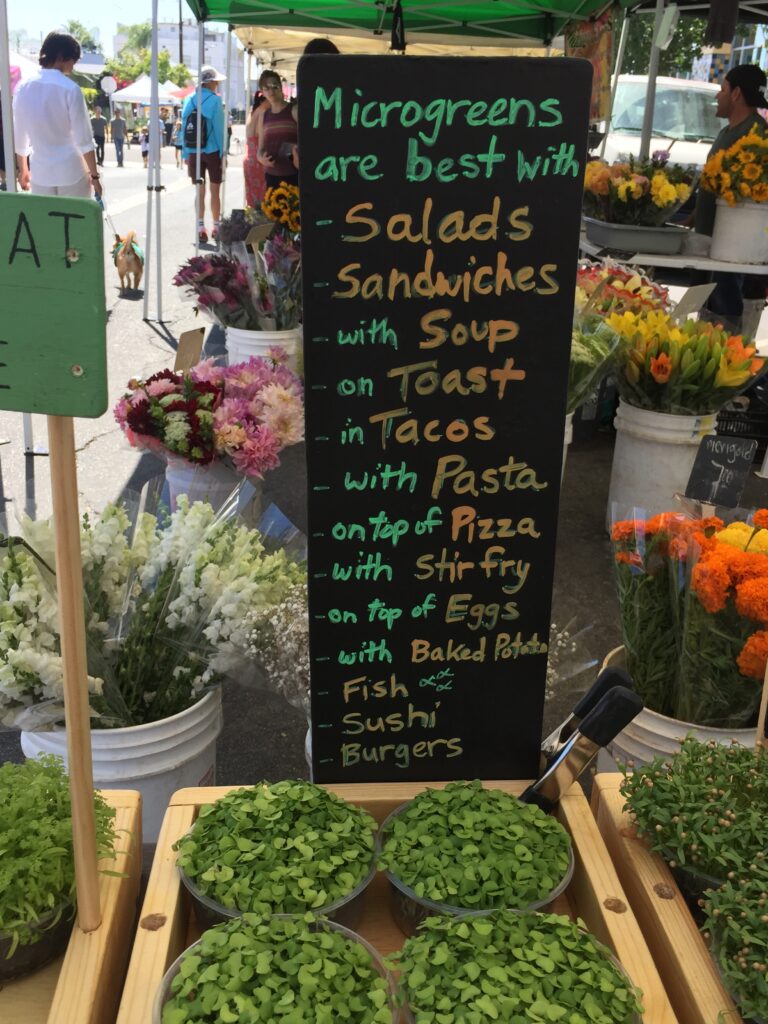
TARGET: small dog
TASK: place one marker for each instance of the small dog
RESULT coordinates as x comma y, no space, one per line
129,260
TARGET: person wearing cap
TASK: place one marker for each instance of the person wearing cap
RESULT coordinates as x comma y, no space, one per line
212,151
738,100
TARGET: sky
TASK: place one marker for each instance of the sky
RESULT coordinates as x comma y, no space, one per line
39,17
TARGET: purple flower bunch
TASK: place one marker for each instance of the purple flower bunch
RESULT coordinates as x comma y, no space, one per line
224,288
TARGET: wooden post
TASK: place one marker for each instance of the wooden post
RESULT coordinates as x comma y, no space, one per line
762,723
69,582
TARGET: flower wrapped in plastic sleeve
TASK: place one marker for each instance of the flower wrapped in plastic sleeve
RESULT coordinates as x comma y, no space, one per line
593,343
167,600
694,608
688,369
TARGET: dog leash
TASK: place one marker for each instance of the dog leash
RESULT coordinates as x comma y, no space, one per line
107,218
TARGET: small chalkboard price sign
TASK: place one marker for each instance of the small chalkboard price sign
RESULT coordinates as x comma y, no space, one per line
440,217
720,471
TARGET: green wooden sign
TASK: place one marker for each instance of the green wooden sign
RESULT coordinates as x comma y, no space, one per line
53,324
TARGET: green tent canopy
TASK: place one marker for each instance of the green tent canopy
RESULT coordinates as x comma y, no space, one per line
428,20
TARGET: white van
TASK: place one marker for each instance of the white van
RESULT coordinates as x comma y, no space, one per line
683,119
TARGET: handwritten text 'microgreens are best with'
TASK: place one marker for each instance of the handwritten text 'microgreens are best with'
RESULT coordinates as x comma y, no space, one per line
340,111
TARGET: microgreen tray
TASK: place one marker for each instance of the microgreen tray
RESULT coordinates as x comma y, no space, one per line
167,926
83,986
673,938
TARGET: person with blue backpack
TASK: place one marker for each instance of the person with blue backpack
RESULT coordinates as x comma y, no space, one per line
212,146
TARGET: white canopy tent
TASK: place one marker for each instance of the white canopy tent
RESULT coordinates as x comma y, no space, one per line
140,91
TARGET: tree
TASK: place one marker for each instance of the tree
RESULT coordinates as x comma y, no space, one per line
138,37
677,60
130,66
77,29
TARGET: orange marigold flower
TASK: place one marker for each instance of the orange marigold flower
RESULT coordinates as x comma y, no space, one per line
711,583
629,558
760,519
678,548
752,599
627,529
661,368
754,655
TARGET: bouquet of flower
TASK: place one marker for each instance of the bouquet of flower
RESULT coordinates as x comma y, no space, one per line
278,639
607,287
741,171
690,368
593,343
259,291
281,205
245,414
636,192
694,609
166,604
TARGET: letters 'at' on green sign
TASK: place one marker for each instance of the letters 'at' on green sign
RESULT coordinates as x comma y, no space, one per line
53,340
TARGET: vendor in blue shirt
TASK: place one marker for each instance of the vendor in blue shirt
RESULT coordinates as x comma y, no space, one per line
212,151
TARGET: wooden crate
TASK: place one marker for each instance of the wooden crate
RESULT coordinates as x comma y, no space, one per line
683,960
595,894
83,986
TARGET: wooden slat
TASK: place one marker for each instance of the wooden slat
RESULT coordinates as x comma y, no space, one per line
682,958
162,931
597,896
83,987
595,882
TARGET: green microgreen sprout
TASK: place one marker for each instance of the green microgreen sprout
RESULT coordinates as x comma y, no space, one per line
290,970
476,848
736,920
705,808
37,869
285,847
512,968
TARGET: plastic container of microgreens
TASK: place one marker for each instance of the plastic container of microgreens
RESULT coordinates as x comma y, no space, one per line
164,992
51,933
408,1016
409,910
346,911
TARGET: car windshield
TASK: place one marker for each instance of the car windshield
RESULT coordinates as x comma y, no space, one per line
678,113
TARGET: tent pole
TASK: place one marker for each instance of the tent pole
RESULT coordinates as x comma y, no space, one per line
248,89
226,119
153,177
650,96
9,149
615,81
199,185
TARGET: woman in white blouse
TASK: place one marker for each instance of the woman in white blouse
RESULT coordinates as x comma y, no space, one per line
52,127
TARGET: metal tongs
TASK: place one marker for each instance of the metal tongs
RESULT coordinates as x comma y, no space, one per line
605,681
613,712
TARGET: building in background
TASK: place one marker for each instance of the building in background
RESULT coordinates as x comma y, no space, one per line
214,52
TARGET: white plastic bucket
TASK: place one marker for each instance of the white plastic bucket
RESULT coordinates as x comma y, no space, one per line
156,759
567,438
651,734
212,483
308,750
242,345
740,234
652,459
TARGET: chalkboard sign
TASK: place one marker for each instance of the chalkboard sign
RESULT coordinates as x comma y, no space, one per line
440,204
720,471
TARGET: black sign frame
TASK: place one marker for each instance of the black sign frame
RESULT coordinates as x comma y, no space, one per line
440,218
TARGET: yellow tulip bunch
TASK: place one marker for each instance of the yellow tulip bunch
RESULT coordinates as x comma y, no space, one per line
740,172
691,368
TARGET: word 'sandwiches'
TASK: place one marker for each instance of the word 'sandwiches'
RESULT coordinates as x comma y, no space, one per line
439,245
